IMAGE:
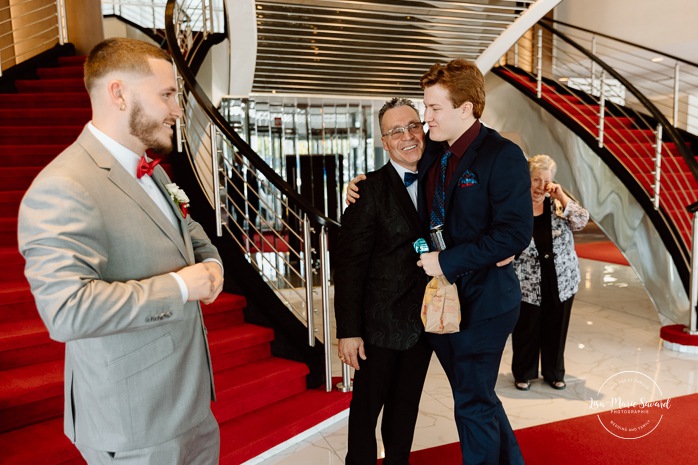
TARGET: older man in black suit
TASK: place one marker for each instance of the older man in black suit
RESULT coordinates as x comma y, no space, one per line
378,295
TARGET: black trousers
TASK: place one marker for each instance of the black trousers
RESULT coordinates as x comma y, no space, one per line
391,380
541,331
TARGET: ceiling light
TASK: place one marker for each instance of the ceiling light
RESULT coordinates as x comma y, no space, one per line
657,59
563,79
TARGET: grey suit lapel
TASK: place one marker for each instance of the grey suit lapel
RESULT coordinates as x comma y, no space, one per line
126,182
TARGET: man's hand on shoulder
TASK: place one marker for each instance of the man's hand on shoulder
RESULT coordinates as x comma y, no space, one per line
353,189
350,349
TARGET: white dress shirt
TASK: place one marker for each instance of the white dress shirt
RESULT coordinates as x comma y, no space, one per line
412,189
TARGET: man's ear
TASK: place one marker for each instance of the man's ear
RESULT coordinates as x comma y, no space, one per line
466,110
116,94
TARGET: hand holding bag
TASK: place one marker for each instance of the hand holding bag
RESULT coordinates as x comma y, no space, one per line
441,307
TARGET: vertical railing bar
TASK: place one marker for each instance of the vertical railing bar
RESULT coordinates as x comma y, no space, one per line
602,107
308,252
676,95
325,292
539,56
215,172
657,166
693,310
62,22
593,65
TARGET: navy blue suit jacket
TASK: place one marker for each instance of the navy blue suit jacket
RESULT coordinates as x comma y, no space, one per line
489,217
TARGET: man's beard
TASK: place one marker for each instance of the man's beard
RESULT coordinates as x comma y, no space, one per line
146,131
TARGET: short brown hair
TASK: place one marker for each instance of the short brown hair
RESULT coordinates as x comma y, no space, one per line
462,79
394,103
120,54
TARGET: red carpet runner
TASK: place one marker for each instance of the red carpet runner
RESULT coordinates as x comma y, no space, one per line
262,400
583,441
604,251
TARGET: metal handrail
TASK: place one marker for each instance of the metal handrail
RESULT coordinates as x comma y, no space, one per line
589,91
668,81
285,257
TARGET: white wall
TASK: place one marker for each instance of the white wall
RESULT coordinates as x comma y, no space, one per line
670,26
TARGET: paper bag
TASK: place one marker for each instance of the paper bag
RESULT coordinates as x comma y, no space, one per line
441,307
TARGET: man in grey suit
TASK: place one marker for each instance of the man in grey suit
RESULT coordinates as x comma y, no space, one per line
378,295
117,268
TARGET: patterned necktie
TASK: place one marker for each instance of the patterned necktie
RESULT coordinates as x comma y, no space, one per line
146,167
410,178
438,208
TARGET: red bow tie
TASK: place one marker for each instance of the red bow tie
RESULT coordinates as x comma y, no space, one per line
146,167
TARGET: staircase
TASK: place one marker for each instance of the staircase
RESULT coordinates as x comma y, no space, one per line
627,140
262,400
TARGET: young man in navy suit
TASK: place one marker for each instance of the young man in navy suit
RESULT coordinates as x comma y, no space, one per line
476,186
378,295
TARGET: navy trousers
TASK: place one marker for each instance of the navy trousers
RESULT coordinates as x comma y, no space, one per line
471,359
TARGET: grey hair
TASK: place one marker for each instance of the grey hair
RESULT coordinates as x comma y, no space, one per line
542,162
394,103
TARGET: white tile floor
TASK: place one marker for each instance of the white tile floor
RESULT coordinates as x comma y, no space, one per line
614,328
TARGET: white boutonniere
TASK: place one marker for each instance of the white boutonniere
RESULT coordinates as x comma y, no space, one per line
179,197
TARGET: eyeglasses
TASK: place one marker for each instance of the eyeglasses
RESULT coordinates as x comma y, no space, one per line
397,133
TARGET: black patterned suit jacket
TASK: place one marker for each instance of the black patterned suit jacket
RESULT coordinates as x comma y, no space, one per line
378,286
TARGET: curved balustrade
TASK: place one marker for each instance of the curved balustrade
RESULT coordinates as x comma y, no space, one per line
281,235
590,94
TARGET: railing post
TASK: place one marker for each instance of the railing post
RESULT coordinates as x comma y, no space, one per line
62,22
539,64
657,166
693,311
204,19
602,108
215,171
593,65
325,292
308,265
676,95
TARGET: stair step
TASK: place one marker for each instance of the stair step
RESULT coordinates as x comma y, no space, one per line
259,383
24,343
29,155
42,443
40,117
61,72
30,394
46,101
12,269
40,135
50,85
249,435
78,60
9,207
238,345
8,232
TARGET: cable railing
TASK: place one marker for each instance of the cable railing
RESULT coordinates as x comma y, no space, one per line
669,82
281,235
30,27
618,117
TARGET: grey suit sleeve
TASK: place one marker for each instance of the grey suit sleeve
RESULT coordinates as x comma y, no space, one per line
62,236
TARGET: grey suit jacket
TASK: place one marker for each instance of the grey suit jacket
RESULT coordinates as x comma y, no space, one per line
98,252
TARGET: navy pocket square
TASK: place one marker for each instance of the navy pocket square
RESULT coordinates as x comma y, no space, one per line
467,179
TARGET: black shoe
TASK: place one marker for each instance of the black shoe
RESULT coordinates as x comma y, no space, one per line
522,385
559,385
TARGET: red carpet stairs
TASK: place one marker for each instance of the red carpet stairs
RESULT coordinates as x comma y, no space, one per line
632,146
262,400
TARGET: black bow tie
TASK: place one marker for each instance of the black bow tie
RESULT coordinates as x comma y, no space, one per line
410,178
